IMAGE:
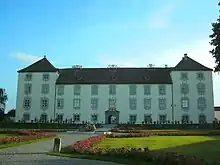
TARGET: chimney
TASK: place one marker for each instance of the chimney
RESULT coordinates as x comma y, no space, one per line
185,56
150,65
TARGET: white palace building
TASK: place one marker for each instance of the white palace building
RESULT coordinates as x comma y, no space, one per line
182,93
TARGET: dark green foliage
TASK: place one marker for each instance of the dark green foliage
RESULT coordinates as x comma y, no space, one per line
215,42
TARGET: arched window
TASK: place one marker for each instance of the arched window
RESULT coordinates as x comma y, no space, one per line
201,88
201,103
185,103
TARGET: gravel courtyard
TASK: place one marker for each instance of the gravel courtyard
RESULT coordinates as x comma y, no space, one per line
34,153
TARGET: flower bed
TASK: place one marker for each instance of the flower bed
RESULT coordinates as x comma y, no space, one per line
147,134
25,135
144,154
126,130
84,145
139,133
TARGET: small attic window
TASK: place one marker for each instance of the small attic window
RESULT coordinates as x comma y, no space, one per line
45,77
146,77
79,78
113,77
28,77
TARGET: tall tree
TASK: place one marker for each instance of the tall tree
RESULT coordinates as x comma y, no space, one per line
215,42
3,99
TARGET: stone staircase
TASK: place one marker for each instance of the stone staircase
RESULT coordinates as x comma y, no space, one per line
105,128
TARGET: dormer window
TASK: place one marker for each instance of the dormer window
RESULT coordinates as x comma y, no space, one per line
145,78
77,73
113,77
79,78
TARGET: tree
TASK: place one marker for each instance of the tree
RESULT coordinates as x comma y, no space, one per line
215,42
3,100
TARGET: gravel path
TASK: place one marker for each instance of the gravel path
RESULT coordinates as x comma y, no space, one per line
34,153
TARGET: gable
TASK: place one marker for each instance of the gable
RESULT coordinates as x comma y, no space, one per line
188,64
42,65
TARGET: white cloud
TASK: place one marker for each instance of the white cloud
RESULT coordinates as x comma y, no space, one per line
160,18
197,50
27,58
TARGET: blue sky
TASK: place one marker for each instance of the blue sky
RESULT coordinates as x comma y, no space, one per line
96,33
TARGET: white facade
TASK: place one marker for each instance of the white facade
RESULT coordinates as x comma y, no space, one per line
217,115
61,99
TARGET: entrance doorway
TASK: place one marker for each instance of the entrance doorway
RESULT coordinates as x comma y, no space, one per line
111,117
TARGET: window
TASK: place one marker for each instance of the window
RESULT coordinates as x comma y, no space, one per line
201,103
94,118
60,103
133,103
162,104
132,89
77,90
162,118
45,77
27,103
202,118
185,119
147,104
45,88
26,117
76,103
27,88
59,118
201,88
28,77
112,103
185,103
76,117
44,103
60,90
133,119
94,90
112,89
147,118
200,76
184,76
162,89
94,103
147,89
43,117
184,88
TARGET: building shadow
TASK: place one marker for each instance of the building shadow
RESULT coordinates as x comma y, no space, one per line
49,160
207,150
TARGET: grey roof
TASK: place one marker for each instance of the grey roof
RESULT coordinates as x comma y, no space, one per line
188,64
43,65
118,76
216,108
115,75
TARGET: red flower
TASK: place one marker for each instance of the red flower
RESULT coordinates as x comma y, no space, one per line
25,135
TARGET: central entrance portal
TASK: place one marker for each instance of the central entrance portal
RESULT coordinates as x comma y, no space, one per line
111,116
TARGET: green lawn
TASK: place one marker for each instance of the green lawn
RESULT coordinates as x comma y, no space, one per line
3,135
197,146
